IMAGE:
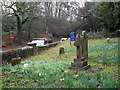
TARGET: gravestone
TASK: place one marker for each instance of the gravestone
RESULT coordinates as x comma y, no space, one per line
34,47
15,61
108,40
61,51
81,44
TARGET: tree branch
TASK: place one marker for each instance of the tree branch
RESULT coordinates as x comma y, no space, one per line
25,20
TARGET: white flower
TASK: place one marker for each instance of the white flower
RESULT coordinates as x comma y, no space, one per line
62,79
108,38
40,74
26,65
76,75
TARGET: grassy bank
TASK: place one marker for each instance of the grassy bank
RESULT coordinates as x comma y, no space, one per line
50,70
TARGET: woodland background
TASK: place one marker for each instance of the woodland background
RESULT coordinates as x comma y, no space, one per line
28,20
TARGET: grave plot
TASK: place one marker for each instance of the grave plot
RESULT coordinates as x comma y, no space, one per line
81,44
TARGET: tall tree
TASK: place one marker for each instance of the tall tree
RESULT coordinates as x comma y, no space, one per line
109,15
19,10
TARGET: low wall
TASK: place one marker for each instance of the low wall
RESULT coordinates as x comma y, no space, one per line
23,52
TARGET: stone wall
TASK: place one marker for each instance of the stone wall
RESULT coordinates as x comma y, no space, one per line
23,52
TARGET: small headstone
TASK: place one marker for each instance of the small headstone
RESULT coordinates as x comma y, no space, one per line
61,51
15,61
108,40
34,47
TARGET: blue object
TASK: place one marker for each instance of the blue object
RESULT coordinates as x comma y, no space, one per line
72,35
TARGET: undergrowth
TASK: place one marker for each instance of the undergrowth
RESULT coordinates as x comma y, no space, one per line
50,74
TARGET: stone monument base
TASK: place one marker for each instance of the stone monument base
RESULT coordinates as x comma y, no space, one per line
80,68
79,64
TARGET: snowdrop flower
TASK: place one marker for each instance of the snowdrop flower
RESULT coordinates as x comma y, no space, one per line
62,79
26,65
108,38
76,75
40,74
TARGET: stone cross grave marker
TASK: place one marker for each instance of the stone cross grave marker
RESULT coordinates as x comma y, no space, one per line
81,44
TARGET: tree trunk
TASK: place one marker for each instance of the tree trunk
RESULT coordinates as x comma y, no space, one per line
29,30
19,32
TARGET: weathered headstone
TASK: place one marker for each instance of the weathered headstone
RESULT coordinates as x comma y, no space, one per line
108,40
34,47
81,44
85,45
15,61
61,51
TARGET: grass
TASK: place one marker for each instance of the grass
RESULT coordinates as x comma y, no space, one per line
106,53
53,53
50,70
47,74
